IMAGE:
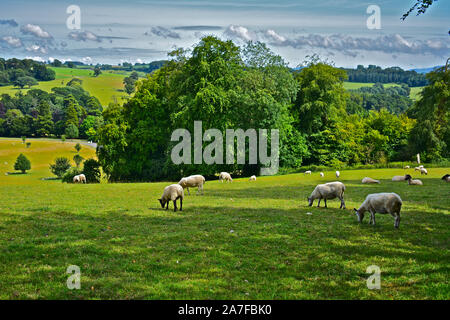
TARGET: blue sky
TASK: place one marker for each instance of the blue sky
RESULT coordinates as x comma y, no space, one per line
142,31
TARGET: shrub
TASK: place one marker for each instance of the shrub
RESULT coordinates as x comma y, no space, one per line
71,131
72,172
78,159
78,147
60,166
22,163
92,171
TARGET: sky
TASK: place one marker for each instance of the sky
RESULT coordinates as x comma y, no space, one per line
346,32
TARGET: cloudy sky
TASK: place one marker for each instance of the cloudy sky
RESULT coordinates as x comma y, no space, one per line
114,31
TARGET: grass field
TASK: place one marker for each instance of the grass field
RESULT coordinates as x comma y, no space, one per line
245,240
107,87
414,95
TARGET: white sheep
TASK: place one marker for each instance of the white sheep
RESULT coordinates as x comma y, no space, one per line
423,171
406,167
369,180
172,193
322,175
446,178
398,178
308,172
81,178
414,182
382,203
338,174
225,176
193,181
252,178
328,191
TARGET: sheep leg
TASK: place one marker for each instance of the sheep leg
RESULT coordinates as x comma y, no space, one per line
175,205
318,204
372,217
167,205
397,221
325,200
188,191
181,204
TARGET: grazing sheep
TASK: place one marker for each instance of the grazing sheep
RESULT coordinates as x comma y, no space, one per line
81,178
252,178
322,175
446,178
406,167
370,180
193,181
423,171
172,193
328,191
398,178
225,176
413,182
382,203
308,172
338,174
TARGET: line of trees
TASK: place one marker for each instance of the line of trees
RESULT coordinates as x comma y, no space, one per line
69,111
226,86
389,75
24,72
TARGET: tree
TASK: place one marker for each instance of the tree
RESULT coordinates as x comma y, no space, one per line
60,166
22,163
78,147
25,81
77,159
91,169
129,83
63,138
28,144
97,71
421,6
71,131
44,122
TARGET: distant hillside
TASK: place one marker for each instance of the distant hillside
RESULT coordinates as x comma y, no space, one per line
425,70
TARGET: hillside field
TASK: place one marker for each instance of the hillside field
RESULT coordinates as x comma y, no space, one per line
244,240
107,87
414,95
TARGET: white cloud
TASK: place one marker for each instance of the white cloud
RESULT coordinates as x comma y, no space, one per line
164,32
39,59
12,41
84,36
240,32
86,60
36,31
36,48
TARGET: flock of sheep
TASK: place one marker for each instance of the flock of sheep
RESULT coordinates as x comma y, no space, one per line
383,203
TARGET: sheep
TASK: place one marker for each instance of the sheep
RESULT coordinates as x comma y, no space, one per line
370,180
252,178
423,171
413,182
406,167
81,178
322,175
172,193
398,178
193,181
446,178
328,191
382,203
308,172
225,176
338,174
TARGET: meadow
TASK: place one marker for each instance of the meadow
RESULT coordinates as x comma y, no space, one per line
240,240
107,87
414,94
